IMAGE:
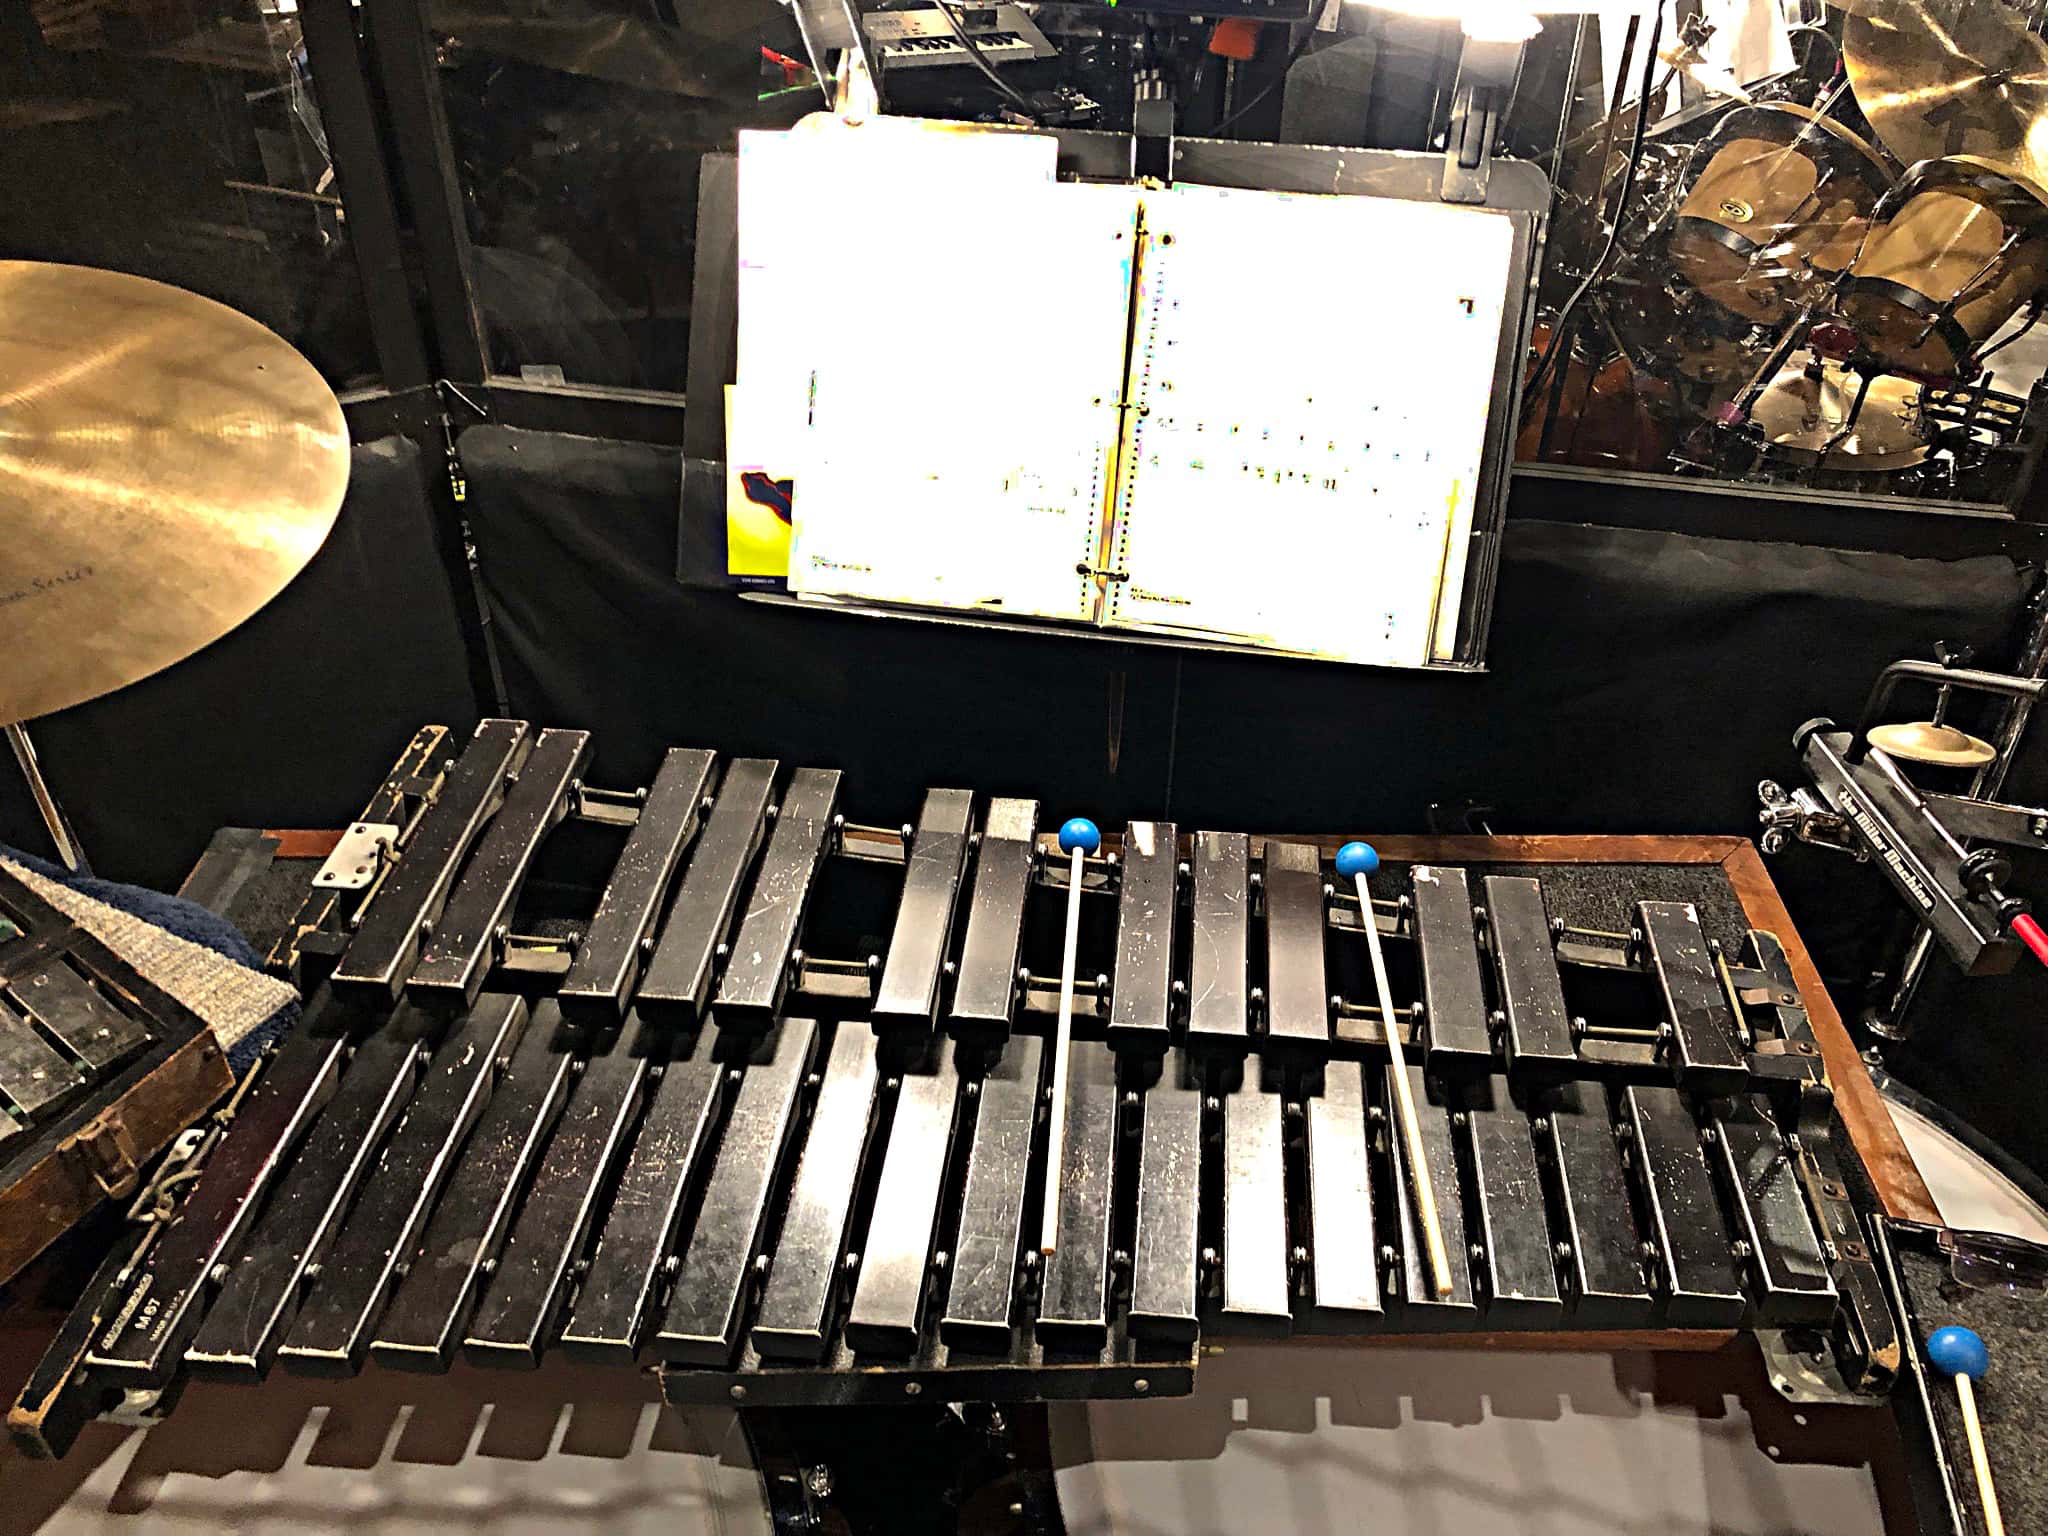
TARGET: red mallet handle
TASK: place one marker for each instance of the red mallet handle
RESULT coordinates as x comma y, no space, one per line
2031,934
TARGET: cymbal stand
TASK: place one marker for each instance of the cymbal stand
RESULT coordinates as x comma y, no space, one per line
68,848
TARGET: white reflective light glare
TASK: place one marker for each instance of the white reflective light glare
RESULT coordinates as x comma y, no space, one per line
1486,21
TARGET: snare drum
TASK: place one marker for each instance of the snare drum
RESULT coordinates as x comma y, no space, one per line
1958,246
1781,205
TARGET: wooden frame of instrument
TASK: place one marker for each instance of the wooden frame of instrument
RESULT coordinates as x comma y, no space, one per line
95,1149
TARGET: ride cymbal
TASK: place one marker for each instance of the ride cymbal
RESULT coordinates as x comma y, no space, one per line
167,466
1951,77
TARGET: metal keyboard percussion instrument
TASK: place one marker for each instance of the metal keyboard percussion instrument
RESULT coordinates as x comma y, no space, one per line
768,1113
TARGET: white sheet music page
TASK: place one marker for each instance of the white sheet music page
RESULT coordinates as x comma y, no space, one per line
965,353
1304,458
805,195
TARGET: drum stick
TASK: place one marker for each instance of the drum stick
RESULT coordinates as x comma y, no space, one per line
1078,838
1356,861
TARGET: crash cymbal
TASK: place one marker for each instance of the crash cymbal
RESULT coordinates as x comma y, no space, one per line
1802,412
1951,77
1922,741
167,465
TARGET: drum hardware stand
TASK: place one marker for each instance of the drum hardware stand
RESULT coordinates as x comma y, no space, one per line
54,819
1945,310
1865,804
1867,371
1892,1023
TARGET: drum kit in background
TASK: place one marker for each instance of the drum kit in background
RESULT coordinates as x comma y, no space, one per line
1791,298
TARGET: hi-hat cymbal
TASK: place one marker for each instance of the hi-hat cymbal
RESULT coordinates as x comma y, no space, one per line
1922,741
1951,77
167,465
1805,413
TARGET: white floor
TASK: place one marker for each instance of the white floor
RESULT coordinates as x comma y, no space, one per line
1279,1438
1314,1442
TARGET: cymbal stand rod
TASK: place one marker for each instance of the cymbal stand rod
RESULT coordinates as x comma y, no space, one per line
46,803
1849,421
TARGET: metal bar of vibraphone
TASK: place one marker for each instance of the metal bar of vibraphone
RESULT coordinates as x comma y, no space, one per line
1517,1260
463,1238
1073,1308
908,994
677,985
758,974
1758,1173
457,960
1166,1249
1697,1281
1297,991
1704,1050
177,1273
519,1307
1344,1288
381,955
1453,992
1602,1259
795,1314
32,1075
1421,1301
887,1315
985,988
265,1284
332,1333
1538,1030
1141,1001
982,1301
1256,1296
72,1009
665,1161
618,941
1217,999
701,1324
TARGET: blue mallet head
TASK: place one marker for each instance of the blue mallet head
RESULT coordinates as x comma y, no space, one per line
1355,859
1958,1352
1080,833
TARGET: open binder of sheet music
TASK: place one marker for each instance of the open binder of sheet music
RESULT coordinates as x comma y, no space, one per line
998,392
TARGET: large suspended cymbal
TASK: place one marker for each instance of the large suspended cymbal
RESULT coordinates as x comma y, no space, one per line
167,466
1951,77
